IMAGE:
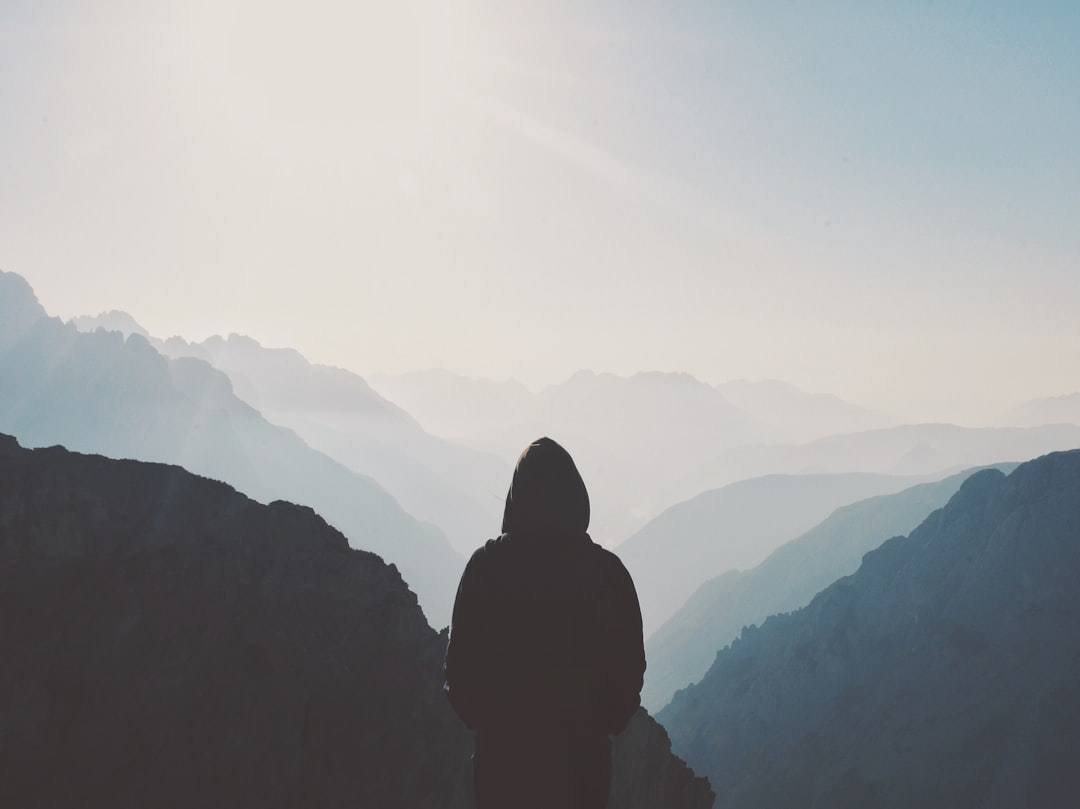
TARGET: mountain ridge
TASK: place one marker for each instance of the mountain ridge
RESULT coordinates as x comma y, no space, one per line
941,673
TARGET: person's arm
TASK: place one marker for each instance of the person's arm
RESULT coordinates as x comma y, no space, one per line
465,662
621,652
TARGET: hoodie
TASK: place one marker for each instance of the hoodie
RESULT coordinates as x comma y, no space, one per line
546,632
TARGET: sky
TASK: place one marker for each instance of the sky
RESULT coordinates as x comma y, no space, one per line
873,199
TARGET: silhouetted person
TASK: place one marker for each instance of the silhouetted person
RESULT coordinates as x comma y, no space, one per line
546,657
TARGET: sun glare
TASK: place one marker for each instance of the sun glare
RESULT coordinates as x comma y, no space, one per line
379,72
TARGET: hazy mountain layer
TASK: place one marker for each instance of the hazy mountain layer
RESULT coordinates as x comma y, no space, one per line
733,528
1048,410
794,416
914,449
101,393
337,412
627,434
681,651
942,674
169,642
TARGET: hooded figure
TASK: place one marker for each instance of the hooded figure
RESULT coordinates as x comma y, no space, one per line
546,658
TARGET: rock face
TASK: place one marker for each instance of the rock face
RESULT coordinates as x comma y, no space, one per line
167,641
944,673
681,651
645,775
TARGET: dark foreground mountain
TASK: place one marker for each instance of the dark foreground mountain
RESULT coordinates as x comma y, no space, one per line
102,393
168,642
681,651
944,673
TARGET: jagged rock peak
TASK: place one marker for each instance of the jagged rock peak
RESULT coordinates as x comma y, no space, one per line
19,306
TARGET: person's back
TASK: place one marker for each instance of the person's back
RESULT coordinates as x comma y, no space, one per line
546,656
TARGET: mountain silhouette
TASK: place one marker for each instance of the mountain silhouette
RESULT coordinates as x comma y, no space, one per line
731,528
102,393
681,650
169,642
943,673
336,412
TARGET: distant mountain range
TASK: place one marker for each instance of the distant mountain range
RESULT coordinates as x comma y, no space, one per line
1049,410
649,441
625,434
336,412
169,642
629,435
794,416
680,651
102,393
733,528
912,449
943,673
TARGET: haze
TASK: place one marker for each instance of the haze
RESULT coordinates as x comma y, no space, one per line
876,201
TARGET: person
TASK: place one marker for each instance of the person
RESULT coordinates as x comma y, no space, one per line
546,658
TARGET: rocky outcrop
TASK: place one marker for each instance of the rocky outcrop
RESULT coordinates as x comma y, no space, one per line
647,776
943,673
168,642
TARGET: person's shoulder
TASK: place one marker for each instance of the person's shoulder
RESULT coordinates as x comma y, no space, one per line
608,559
489,550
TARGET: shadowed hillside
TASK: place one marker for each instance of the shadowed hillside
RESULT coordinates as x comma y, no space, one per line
943,673
169,642
681,651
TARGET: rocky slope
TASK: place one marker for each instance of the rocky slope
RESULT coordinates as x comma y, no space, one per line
681,651
102,393
169,642
943,673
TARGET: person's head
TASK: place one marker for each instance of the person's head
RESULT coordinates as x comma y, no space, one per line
547,492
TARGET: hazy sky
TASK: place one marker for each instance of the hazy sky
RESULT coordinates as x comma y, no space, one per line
876,199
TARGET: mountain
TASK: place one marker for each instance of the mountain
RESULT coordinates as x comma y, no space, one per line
336,412
733,527
113,320
942,673
680,651
626,433
102,393
795,416
913,449
459,408
169,642
1048,410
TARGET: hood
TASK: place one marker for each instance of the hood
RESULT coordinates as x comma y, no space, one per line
547,493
